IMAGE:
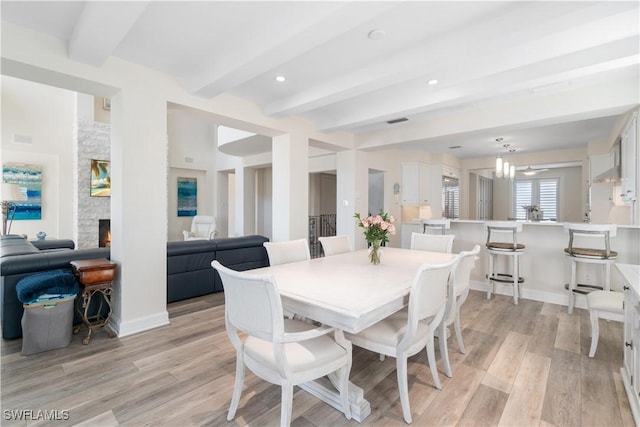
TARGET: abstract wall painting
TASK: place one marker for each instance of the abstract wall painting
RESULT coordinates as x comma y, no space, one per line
187,196
100,178
29,178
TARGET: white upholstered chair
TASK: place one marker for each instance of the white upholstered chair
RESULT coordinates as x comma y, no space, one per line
281,351
438,226
410,330
432,242
203,227
460,280
589,244
608,304
333,245
287,251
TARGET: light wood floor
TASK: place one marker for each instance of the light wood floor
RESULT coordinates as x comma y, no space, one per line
525,365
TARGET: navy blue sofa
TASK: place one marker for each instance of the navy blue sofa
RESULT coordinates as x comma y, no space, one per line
189,272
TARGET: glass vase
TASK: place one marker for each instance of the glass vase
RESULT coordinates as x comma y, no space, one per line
375,252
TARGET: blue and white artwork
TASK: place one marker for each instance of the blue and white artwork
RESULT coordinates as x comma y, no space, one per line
29,179
187,196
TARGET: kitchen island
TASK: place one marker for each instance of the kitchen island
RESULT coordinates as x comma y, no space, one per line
544,266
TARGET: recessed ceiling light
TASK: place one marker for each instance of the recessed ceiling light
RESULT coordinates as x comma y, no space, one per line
376,34
280,78
432,82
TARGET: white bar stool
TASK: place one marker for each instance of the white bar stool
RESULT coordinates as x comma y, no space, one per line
437,225
506,245
579,251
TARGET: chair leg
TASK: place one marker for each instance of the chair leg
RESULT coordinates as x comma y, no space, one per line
572,286
444,349
237,387
516,277
595,332
287,404
456,326
491,284
403,386
431,357
381,357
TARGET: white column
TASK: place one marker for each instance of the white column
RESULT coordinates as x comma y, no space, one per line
290,187
139,210
245,206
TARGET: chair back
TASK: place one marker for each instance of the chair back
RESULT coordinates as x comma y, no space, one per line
203,226
333,245
437,226
429,291
581,240
288,251
504,235
432,242
462,272
252,304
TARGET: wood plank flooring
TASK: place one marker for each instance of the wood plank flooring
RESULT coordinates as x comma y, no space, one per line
525,365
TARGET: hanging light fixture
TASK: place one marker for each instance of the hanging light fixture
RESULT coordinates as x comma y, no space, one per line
499,162
504,169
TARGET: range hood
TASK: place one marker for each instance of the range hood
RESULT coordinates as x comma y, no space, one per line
613,173
610,175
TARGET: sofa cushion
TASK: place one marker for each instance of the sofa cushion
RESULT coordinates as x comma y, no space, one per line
12,245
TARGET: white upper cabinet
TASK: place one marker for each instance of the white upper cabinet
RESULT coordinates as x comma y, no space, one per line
416,188
628,163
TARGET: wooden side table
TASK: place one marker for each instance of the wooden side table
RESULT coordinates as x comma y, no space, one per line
95,276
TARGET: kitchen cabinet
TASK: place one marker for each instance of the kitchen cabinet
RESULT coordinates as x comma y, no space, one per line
416,184
628,162
631,359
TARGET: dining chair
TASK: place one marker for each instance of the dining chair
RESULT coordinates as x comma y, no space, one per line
412,329
287,251
461,278
281,351
432,242
333,245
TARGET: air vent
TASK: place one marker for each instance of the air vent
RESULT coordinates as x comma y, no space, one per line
401,119
453,147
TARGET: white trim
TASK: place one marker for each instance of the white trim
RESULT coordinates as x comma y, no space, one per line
527,293
140,324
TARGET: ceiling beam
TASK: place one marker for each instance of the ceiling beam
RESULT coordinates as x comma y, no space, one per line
266,54
101,27
443,56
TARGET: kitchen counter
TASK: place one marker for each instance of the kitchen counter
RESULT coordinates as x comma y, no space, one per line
544,266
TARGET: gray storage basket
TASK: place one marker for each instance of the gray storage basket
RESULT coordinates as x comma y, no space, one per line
48,324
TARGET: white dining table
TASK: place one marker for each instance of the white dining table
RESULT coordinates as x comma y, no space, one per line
349,293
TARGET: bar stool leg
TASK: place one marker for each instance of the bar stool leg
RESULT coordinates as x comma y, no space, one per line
491,283
572,286
516,277
607,278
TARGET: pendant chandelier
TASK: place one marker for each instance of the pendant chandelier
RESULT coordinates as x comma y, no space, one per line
504,169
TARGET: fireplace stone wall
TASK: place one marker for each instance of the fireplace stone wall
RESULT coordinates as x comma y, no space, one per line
94,142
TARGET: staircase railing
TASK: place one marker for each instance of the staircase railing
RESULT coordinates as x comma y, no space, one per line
320,226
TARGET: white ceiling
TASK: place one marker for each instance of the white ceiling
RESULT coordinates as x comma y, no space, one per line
484,54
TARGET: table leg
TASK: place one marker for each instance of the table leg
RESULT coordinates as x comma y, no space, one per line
324,390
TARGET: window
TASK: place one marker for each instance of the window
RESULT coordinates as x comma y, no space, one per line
541,192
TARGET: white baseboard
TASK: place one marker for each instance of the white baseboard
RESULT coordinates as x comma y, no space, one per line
141,324
532,294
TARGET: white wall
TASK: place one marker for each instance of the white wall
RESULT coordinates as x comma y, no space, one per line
192,154
45,114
